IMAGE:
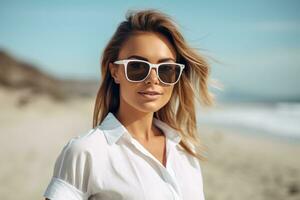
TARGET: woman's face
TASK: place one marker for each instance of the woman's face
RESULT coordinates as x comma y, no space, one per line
154,48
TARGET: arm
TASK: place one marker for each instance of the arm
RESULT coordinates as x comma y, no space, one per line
70,175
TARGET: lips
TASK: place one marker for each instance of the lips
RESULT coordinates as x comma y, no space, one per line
150,95
150,92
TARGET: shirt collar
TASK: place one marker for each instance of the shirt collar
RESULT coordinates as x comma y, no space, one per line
113,129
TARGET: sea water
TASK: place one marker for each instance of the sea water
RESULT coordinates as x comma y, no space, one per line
277,119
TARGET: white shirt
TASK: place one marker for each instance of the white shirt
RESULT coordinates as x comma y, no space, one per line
108,163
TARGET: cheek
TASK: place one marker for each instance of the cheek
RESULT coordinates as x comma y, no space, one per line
129,93
127,90
168,94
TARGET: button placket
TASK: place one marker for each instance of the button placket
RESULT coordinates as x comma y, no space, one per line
170,177
167,172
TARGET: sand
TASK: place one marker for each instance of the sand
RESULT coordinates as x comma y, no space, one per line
34,130
244,166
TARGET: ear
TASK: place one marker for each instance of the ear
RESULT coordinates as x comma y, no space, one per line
114,72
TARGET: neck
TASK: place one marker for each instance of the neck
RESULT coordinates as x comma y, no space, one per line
139,124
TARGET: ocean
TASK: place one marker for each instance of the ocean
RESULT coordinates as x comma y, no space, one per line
274,119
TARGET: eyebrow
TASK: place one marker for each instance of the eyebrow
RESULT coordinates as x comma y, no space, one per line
142,58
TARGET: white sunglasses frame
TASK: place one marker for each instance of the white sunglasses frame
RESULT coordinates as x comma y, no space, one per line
155,66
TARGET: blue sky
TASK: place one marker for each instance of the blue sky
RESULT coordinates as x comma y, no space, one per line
256,43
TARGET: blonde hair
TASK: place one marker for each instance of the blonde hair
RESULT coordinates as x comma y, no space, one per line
179,113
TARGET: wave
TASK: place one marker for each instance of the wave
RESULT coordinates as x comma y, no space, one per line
281,119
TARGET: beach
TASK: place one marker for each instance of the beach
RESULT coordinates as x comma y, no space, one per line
240,165
244,166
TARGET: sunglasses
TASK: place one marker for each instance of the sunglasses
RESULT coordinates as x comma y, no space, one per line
138,70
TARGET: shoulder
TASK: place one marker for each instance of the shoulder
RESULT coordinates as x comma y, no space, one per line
81,152
74,167
87,142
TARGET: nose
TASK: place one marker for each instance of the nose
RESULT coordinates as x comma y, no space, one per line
152,78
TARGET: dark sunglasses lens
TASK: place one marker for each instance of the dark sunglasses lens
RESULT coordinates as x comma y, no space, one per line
137,71
169,73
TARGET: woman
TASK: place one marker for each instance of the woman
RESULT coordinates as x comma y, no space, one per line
144,143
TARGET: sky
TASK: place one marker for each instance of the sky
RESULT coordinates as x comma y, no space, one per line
253,46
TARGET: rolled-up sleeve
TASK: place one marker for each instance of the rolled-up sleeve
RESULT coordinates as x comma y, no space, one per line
71,174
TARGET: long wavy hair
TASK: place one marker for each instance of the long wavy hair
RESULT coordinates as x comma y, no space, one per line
180,111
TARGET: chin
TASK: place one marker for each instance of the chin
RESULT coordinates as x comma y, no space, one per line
145,106
149,107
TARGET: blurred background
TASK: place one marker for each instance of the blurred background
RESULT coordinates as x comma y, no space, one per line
50,73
